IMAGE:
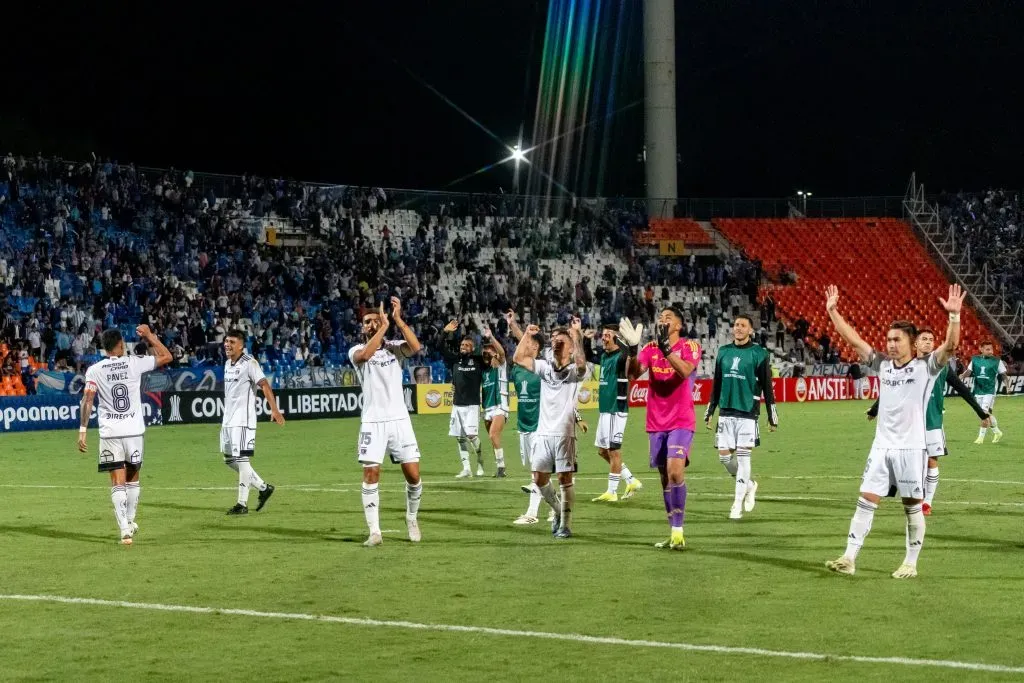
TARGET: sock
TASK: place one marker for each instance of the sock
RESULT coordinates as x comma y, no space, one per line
742,478
535,498
132,490
626,475
256,481
678,494
464,454
568,500
119,498
371,507
983,430
729,463
995,423
413,493
547,491
667,494
230,462
613,482
474,441
244,479
499,457
915,533
931,483
860,526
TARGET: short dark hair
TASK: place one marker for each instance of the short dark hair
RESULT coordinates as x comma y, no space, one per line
905,326
236,333
744,316
614,327
469,339
985,342
561,329
110,339
926,330
674,310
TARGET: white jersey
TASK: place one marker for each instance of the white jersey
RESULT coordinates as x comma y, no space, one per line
903,393
558,390
381,379
240,380
117,382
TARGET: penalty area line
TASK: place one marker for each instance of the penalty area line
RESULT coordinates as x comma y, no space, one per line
541,635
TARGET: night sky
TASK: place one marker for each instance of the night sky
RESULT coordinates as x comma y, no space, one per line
773,96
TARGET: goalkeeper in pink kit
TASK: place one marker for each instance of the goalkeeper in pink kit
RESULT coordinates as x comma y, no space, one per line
671,420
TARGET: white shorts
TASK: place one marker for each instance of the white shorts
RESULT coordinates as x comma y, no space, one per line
986,401
935,440
465,421
735,432
525,447
553,454
394,437
235,441
494,411
610,428
902,468
117,452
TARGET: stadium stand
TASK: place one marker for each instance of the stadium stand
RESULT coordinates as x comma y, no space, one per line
870,259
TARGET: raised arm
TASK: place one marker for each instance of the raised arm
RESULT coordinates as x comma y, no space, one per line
407,333
373,344
163,356
496,347
444,342
844,329
953,304
576,331
588,347
513,326
521,357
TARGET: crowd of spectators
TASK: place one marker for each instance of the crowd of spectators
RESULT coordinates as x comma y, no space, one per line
93,245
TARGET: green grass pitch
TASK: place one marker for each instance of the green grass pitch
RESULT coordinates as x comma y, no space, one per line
754,583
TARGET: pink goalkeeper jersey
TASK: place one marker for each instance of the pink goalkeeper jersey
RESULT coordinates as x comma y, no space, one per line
669,396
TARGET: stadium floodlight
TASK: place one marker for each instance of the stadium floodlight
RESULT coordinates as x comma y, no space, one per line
518,154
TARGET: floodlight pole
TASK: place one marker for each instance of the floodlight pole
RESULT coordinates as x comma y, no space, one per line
660,107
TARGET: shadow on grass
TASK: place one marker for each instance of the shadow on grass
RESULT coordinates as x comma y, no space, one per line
47,532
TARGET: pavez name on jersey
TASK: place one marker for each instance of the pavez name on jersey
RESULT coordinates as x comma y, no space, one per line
467,373
986,371
240,381
117,382
527,386
742,374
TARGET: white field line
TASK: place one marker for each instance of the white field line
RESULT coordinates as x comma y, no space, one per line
310,488
540,635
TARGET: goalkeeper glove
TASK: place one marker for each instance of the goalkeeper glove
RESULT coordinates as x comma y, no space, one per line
663,343
630,335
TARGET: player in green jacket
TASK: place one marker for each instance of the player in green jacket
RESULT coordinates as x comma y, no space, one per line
988,372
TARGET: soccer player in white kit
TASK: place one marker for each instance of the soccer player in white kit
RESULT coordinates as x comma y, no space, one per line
554,444
242,377
899,456
385,425
117,380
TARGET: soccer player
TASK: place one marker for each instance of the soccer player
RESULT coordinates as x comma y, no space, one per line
527,385
242,377
612,406
554,446
988,371
117,380
495,397
742,373
467,370
898,455
935,436
385,425
671,421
